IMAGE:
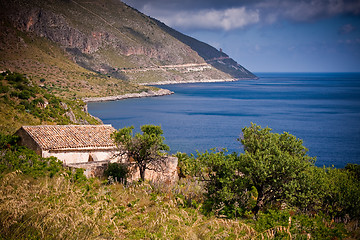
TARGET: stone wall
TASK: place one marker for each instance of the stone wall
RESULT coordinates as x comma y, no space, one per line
96,169
92,169
169,174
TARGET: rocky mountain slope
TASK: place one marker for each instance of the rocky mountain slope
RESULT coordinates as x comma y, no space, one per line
98,48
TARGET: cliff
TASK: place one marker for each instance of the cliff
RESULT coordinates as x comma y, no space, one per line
106,38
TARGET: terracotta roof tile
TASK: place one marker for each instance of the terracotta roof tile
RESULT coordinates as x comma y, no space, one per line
51,137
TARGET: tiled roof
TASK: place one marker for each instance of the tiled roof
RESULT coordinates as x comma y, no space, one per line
51,137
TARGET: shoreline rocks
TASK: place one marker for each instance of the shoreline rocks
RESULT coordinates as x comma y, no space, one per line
160,92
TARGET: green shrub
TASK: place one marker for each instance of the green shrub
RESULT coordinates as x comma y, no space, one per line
14,157
78,175
342,196
7,141
14,94
4,89
118,171
353,169
286,224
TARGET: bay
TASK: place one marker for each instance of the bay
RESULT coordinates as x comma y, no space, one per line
322,109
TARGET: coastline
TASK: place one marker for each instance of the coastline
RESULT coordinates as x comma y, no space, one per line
194,81
160,92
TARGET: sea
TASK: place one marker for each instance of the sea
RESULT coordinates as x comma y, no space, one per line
322,109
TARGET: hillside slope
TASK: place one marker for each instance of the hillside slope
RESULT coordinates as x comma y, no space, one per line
211,55
103,38
23,103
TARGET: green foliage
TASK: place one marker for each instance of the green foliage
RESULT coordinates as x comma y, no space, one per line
224,185
335,192
272,218
287,225
273,163
271,171
14,157
342,194
26,104
7,141
274,172
77,175
4,89
353,169
146,149
118,172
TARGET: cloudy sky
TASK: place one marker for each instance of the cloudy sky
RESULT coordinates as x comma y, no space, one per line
270,35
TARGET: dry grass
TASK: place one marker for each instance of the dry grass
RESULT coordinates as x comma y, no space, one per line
59,209
52,208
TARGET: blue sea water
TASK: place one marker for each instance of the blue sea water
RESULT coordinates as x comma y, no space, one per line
322,109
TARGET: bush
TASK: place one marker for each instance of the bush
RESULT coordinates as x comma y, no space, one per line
118,171
275,172
14,94
14,157
286,225
353,169
6,141
342,194
273,163
4,89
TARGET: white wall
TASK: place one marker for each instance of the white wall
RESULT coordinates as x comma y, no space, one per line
80,156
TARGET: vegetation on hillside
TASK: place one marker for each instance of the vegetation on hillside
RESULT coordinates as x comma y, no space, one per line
39,199
276,182
51,67
24,103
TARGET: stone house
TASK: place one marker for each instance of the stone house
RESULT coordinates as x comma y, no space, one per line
83,146
70,143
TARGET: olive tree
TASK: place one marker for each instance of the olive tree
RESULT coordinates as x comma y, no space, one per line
273,163
146,150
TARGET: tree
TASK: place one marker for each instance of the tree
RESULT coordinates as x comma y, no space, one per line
226,188
145,150
273,164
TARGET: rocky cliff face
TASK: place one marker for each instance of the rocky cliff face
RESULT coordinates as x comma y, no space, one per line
109,37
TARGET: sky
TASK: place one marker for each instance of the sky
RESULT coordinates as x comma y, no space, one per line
270,35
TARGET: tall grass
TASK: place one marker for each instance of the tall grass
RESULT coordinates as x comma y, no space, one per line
64,207
58,208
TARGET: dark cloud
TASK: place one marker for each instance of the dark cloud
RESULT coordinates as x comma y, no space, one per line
191,4
309,10
232,14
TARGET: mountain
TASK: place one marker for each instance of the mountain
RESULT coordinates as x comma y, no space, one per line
211,55
79,48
